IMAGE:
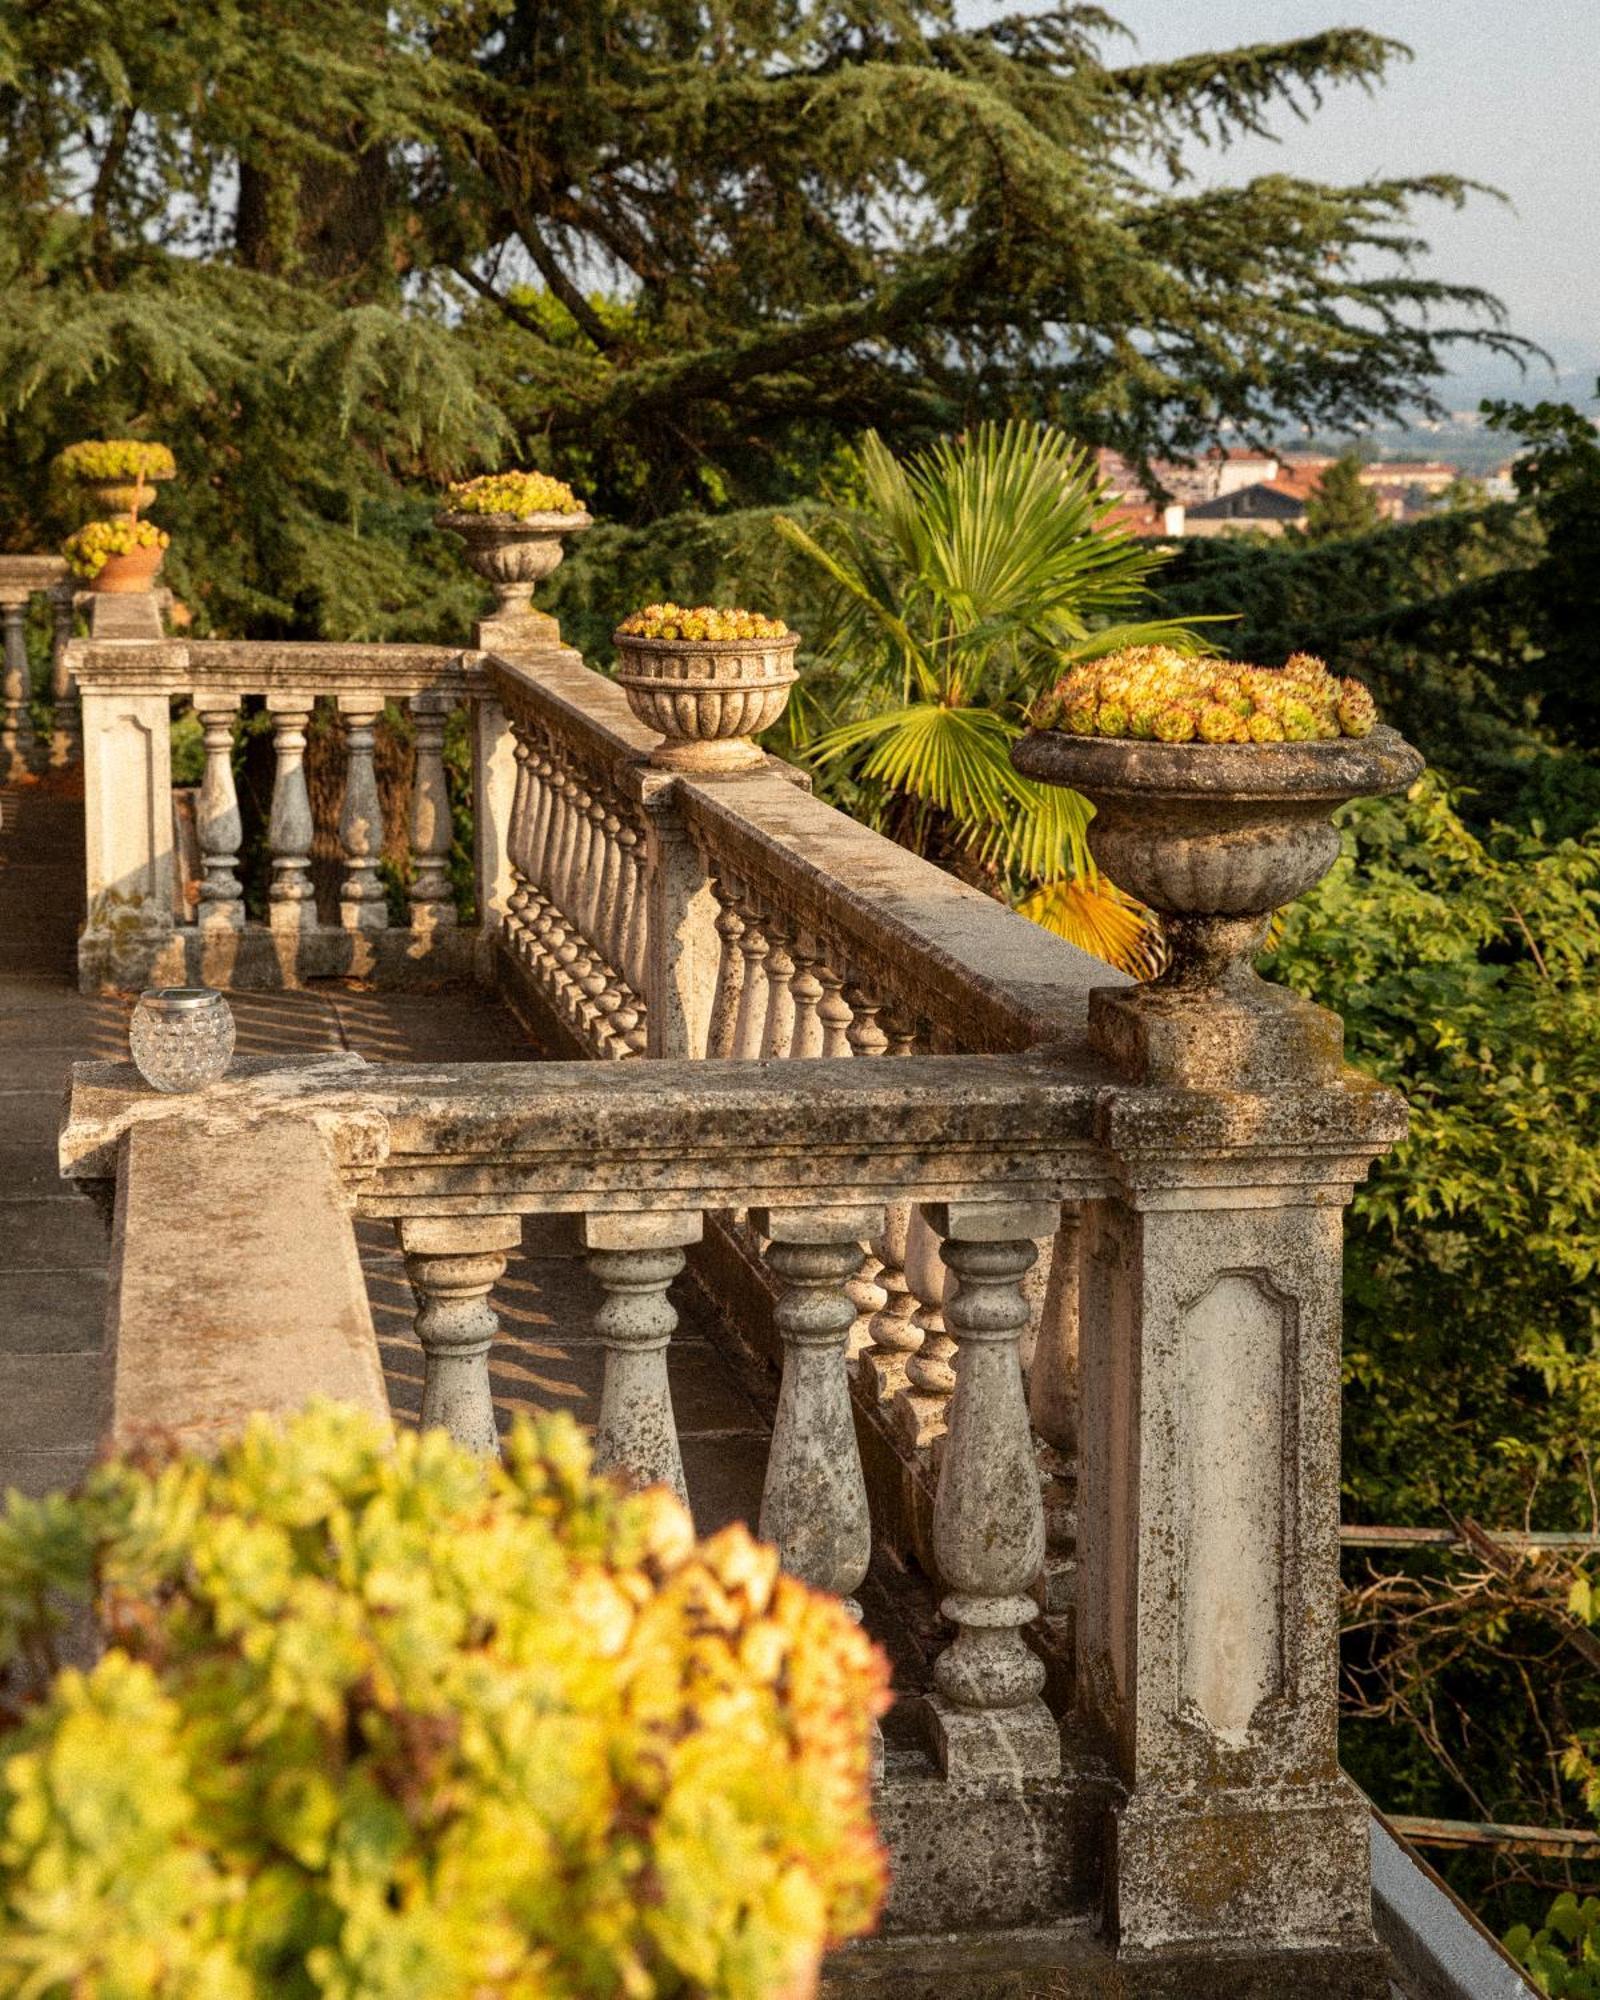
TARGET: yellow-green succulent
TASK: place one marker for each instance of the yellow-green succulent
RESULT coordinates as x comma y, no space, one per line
376,1718
521,494
106,459
1153,691
89,547
706,622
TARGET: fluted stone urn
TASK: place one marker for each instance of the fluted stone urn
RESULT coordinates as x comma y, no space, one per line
708,698
512,552
1215,838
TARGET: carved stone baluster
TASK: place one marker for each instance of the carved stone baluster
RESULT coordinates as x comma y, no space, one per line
66,736
541,865
1053,1412
16,724
454,1262
362,906
892,1332
218,827
625,930
814,1504
289,827
565,945
635,1258
605,987
524,806
777,1036
835,1015
865,1036
433,907
988,1720
805,995
922,1413
730,973
902,1030
750,1024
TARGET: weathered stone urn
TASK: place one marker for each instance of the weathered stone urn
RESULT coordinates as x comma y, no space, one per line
1215,837
709,698
513,552
124,498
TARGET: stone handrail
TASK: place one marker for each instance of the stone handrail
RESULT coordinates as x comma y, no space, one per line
1205,1715
136,934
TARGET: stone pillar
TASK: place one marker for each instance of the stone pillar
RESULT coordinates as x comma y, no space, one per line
289,827
454,1262
127,786
814,1503
16,724
682,948
494,784
987,1719
218,827
362,904
432,904
635,1258
1209,1530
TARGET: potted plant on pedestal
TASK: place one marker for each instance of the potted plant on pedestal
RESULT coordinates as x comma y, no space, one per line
1213,786
707,679
513,525
115,475
120,555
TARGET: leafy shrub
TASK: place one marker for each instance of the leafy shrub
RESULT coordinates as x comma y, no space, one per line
1563,1956
378,1720
1465,970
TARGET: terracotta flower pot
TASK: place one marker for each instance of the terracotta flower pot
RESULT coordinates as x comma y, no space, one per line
1215,837
709,698
512,552
135,571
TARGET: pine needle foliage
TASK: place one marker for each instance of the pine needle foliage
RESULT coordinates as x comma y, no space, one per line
341,252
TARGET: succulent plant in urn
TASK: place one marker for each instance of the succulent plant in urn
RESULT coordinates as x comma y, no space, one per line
513,525
1214,786
707,679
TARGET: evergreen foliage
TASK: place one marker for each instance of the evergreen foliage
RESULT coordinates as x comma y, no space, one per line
1341,505
340,253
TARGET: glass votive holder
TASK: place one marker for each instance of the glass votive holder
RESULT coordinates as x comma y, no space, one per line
181,1037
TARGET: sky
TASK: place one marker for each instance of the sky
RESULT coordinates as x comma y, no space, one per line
1502,91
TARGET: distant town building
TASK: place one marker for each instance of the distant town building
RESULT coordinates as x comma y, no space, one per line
1269,507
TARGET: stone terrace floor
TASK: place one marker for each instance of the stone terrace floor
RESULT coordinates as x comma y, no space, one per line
54,1370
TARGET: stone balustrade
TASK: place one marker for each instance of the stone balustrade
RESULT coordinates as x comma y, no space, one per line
1067,1338
136,932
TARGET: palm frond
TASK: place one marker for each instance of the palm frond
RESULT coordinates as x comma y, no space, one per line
957,759
1097,917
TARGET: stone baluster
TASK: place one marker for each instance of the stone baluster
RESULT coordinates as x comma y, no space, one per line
433,906
454,1262
625,947
541,864
289,828
635,1258
777,1035
730,973
362,905
66,741
805,994
892,1331
814,1503
565,948
902,1030
865,1035
751,1020
524,807
1053,1412
987,1718
834,1015
922,1411
16,724
218,827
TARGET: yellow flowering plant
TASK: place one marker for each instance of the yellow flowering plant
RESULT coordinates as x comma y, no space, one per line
714,622
376,1719
1158,694
521,494
88,549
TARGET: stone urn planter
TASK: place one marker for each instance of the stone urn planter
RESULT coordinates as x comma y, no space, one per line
512,552
115,476
121,496
1215,837
709,698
